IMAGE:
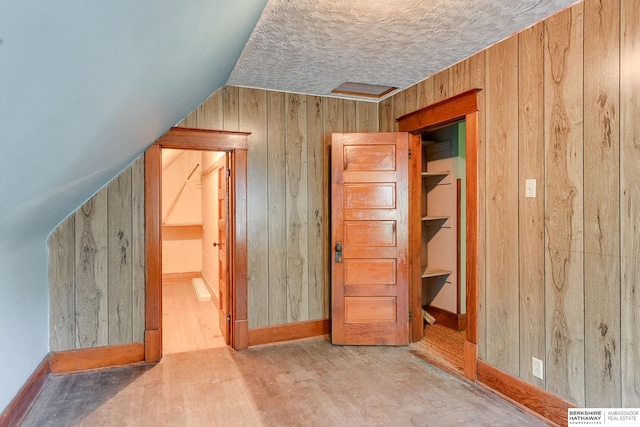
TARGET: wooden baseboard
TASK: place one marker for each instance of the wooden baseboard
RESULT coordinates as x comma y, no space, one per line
457,322
17,409
87,359
152,345
214,294
180,277
288,332
529,397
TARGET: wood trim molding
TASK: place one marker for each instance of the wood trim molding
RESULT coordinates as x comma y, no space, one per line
288,332
204,139
440,113
65,362
194,139
17,409
457,322
527,396
153,257
463,106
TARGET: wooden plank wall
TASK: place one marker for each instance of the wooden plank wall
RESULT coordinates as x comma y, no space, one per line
558,273
96,268
288,185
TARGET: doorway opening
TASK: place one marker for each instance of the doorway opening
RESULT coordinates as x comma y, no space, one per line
192,239
233,315
426,121
443,243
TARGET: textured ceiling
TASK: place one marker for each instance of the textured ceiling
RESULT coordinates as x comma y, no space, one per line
313,46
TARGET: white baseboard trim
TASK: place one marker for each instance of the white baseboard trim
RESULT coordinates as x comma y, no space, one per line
201,289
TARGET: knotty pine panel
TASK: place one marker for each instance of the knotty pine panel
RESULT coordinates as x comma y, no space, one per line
425,93
62,335
96,268
564,268
277,218
531,210
502,206
253,115
138,249
296,208
120,259
630,201
601,217
441,90
92,273
315,204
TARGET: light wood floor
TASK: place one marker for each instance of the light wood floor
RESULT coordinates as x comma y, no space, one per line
188,324
304,383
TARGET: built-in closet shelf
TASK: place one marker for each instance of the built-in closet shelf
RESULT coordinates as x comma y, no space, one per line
435,272
184,231
435,218
433,174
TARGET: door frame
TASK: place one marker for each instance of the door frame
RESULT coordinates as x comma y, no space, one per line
463,106
235,143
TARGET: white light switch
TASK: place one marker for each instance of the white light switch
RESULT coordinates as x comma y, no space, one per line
530,188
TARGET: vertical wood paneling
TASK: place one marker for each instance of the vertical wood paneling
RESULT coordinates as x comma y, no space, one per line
350,116
210,113
477,80
119,228
410,99
601,217
315,204
459,77
386,115
425,93
277,220
564,290
138,249
441,89
92,274
399,107
296,205
253,118
630,201
531,213
366,117
62,286
333,123
231,108
502,206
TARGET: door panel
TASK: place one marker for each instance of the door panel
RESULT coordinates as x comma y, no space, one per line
223,247
370,213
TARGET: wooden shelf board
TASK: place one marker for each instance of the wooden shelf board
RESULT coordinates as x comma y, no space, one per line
434,272
435,218
430,174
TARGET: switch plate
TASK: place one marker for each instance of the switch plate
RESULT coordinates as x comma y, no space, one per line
530,188
537,369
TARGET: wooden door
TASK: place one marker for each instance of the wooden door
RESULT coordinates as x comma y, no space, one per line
370,218
223,246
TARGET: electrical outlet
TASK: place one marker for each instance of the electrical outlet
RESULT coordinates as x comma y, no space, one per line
537,369
530,188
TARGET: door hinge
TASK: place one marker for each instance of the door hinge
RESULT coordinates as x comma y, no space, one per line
410,315
229,318
228,173
410,153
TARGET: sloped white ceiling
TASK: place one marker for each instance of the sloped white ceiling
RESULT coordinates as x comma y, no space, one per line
86,86
313,46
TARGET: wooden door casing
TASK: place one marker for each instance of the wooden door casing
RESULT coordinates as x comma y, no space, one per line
370,214
223,247
235,144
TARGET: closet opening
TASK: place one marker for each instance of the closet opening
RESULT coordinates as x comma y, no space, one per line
442,166
194,204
